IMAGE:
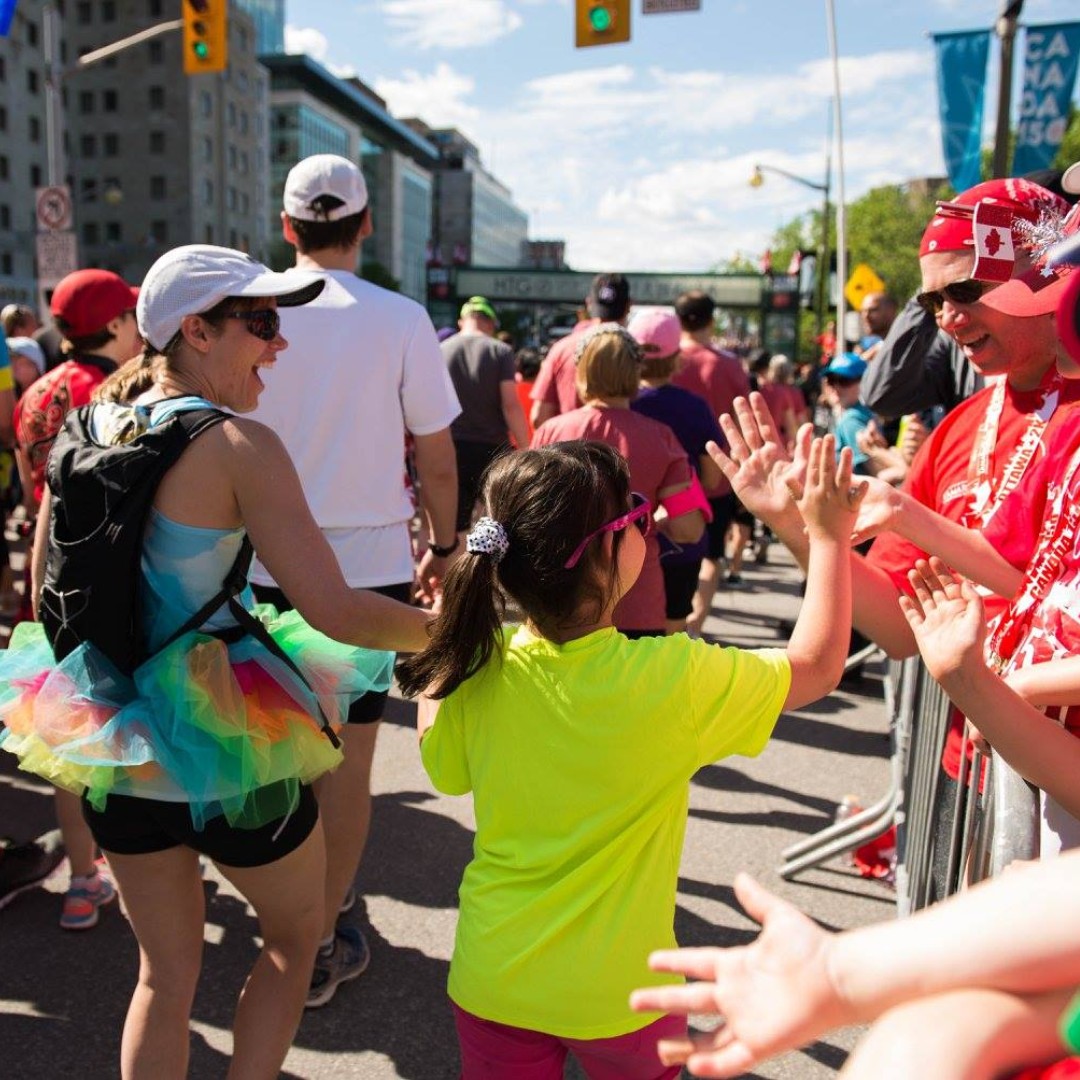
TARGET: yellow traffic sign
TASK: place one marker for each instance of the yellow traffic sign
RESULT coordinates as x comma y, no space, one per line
863,280
601,22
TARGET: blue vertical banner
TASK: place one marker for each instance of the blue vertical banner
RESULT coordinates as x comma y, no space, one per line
7,13
1050,61
961,77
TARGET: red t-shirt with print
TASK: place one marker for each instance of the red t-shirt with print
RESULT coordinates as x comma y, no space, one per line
657,461
40,412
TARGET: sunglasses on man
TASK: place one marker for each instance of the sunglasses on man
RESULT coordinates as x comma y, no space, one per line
967,291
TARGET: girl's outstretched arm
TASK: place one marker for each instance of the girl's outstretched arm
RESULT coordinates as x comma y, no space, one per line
819,643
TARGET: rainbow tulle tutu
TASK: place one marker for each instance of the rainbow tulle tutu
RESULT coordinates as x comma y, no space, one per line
226,727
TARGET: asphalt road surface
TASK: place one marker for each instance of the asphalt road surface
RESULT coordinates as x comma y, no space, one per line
63,995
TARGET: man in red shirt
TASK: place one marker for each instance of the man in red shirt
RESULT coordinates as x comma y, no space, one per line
94,310
555,389
982,449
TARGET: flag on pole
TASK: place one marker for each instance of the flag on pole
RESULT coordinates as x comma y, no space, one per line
995,255
961,76
1051,55
7,13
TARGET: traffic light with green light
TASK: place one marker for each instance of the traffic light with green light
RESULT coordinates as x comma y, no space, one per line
601,22
206,36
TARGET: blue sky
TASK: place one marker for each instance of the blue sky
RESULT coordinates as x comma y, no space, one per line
638,155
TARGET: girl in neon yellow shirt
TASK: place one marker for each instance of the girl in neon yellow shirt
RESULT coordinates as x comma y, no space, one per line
578,745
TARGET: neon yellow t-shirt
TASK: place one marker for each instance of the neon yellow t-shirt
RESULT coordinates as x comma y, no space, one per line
579,757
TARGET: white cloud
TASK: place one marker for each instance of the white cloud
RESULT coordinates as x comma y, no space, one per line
628,165
440,98
314,43
437,24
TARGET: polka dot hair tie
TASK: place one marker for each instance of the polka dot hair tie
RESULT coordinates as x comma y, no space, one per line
488,537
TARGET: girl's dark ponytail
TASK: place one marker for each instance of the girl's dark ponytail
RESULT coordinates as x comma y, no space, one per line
463,634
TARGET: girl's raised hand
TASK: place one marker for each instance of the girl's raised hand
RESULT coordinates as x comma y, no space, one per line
946,617
829,500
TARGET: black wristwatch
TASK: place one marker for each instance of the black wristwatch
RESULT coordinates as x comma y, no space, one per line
443,552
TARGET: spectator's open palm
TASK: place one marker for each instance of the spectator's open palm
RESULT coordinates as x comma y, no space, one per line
774,995
946,616
761,472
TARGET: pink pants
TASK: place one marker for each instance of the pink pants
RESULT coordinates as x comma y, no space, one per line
491,1051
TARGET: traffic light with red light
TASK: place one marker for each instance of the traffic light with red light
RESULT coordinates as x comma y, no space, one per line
601,22
206,36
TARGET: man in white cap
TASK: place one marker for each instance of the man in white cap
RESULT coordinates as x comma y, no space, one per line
364,372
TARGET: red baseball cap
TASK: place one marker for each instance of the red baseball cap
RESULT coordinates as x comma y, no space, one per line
1039,291
88,300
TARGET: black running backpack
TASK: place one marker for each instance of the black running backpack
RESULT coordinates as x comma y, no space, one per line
101,500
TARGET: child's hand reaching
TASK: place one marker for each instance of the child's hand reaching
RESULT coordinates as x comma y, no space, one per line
829,501
946,617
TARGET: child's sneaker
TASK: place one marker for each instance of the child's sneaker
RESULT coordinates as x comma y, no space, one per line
347,960
84,898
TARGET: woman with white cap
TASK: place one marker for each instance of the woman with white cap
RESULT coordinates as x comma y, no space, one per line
225,752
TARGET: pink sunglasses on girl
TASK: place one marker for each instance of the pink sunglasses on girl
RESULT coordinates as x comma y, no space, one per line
640,515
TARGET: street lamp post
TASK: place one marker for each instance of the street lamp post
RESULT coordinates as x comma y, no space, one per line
758,178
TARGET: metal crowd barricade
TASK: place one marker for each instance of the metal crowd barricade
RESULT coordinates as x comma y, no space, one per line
988,829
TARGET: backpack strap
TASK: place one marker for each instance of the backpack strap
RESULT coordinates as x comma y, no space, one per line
233,585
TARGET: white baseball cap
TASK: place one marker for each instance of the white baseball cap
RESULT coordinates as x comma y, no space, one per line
324,174
192,279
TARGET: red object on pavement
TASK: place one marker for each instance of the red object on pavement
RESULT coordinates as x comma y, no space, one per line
877,857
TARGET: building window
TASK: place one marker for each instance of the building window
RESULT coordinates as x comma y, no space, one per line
108,10
206,104
110,145
7,264
3,167
112,232
156,97
244,162
88,146
208,234
5,217
157,52
232,157
31,35
233,238
32,81
109,101
231,199
84,12
232,114
90,233
3,69
154,7
3,118
157,142
207,148
157,187
35,176
159,230
34,127
86,101
208,192
243,123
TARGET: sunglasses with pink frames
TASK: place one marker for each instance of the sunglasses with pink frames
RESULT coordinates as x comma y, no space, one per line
639,515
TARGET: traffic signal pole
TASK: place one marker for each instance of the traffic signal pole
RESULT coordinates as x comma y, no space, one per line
56,73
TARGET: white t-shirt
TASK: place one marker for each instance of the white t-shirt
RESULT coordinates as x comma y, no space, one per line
362,368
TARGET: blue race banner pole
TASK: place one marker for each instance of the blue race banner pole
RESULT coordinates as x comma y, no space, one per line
7,12
1051,53
961,77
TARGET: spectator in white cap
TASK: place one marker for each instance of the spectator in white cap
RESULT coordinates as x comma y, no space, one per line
27,362
364,374
214,740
